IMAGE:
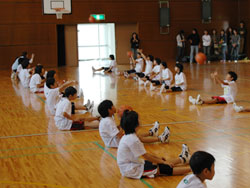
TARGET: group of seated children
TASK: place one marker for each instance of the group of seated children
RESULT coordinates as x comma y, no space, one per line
156,73
132,158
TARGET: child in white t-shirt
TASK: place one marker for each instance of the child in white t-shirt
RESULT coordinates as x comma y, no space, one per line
180,81
154,76
202,165
111,68
36,81
133,160
230,90
149,65
138,65
54,93
25,74
166,77
65,120
111,133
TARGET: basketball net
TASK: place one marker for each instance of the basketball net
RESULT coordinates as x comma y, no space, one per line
59,12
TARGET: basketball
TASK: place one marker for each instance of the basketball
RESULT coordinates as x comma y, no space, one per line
91,19
201,58
129,53
122,109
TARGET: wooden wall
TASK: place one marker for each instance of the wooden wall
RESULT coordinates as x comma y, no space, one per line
24,28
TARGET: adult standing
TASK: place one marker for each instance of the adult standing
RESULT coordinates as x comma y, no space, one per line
215,43
180,46
206,40
229,42
235,46
223,44
242,31
134,41
194,40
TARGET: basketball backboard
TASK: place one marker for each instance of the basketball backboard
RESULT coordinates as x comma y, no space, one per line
50,6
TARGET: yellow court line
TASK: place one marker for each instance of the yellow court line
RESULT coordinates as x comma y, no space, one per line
31,183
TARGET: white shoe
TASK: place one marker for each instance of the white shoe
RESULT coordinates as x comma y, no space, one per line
135,78
164,137
163,88
146,83
125,74
185,155
87,105
152,88
154,131
198,100
235,61
238,108
192,100
93,69
209,62
141,82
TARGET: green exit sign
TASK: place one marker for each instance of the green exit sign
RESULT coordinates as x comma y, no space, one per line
99,16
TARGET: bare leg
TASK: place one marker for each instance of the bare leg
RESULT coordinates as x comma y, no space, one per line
246,110
181,170
93,124
100,69
149,139
80,107
174,162
211,101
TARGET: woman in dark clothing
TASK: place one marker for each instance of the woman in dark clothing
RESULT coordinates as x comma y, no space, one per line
194,39
180,39
135,41
223,44
229,42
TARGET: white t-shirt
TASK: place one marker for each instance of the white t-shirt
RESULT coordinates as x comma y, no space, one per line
108,131
52,99
149,67
181,78
62,122
157,69
191,181
206,40
24,77
129,150
15,64
113,64
19,68
46,90
139,65
230,91
35,79
166,74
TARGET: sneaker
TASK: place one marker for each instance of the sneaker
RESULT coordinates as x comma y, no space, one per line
93,69
125,74
208,62
192,100
141,82
238,108
146,83
185,155
164,137
152,88
235,61
154,131
87,105
163,88
198,100
135,78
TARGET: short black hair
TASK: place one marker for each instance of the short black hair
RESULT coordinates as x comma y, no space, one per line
25,63
20,60
164,64
129,121
179,66
69,91
112,57
139,53
158,61
50,74
38,69
201,160
50,82
151,58
24,54
233,75
104,108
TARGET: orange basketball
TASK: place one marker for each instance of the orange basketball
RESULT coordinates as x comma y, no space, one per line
129,53
91,19
122,109
201,58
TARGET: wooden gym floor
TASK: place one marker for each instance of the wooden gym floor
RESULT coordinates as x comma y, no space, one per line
34,153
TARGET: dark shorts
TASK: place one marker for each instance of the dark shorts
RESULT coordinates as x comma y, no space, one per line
176,89
106,68
156,82
220,100
73,108
140,74
77,125
131,71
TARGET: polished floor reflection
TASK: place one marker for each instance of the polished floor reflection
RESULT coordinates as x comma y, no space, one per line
34,153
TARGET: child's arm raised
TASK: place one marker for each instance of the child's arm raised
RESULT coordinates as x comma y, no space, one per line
67,84
218,80
143,56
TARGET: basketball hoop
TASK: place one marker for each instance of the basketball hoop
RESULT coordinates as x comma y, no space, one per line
59,12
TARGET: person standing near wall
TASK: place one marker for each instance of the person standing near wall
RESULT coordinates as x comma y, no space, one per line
242,31
194,40
180,46
134,41
223,44
206,40
235,46
229,42
215,43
